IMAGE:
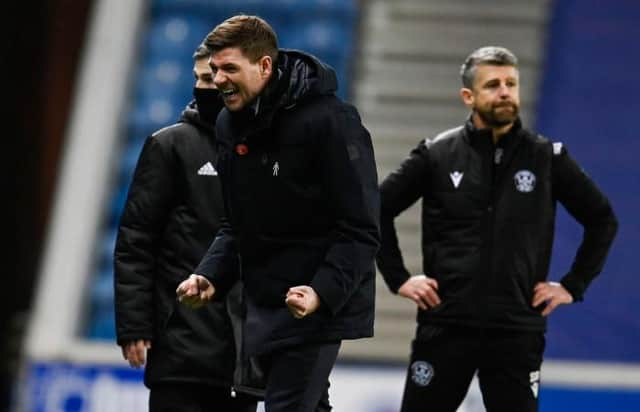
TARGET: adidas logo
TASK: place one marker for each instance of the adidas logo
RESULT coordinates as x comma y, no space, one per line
207,170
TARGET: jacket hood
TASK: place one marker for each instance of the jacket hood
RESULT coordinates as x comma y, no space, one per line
298,76
304,76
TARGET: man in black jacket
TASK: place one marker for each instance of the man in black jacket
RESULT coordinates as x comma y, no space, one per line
489,190
173,206
301,195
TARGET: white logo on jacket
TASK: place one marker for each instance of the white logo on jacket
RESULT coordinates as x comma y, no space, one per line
534,379
525,181
207,169
456,178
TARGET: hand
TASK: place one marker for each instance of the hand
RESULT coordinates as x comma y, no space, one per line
553,293
195,291
302,301
422,290
134,352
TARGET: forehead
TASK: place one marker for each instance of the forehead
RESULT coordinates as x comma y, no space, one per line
488,72
202,65
229,55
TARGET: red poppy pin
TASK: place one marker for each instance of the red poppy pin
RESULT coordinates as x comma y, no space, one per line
242,149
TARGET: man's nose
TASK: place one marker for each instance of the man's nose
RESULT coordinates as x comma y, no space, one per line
219,79
505,91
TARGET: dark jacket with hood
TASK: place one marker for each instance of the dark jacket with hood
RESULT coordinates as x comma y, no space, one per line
488,214
173,206
301,195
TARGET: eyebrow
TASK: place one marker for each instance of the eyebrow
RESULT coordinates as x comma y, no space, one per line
226,65
493,80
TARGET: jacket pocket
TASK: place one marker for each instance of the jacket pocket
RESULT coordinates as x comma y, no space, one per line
289,264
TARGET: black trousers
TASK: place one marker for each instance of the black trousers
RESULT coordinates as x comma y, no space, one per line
298,377
192,397
445,359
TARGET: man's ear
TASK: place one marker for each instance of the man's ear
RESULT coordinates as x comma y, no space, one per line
266,66
467,97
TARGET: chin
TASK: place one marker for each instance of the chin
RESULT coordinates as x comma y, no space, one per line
504,118
233,107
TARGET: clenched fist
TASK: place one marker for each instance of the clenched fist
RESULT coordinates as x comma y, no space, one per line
195,291
302,301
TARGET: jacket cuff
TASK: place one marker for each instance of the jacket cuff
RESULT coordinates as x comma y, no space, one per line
574,287
331,295
397,281
222,285
131,337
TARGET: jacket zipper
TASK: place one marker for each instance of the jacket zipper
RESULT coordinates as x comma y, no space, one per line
490,229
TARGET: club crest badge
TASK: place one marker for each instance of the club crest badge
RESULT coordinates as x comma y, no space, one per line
525,181
421,373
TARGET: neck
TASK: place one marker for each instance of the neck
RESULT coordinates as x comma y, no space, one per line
497,131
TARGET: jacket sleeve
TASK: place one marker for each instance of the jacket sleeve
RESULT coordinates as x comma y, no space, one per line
397,192
220,263
148,203
348,174
590,207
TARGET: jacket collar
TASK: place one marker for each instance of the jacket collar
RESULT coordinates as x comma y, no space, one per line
482,137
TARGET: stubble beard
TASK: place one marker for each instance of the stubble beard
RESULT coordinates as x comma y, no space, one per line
494,118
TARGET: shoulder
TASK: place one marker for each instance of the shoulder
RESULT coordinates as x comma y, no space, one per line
444,139
326,117
544,143
181,134
325,106
167,135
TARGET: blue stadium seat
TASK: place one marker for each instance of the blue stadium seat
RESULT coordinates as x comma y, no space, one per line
163,77
152,114
334,9
117,203
107,246
319,36
129,158
175,35
218,10
102,325
102,289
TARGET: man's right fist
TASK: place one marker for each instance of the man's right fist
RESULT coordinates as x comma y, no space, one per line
195,291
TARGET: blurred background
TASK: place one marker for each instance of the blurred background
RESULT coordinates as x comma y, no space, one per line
85,82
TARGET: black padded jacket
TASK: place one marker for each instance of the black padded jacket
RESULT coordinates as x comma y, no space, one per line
488,214
173,206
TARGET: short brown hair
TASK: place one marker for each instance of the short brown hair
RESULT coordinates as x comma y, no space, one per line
251,34
202,52
490,55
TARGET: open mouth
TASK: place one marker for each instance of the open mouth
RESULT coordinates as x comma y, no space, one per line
228,92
